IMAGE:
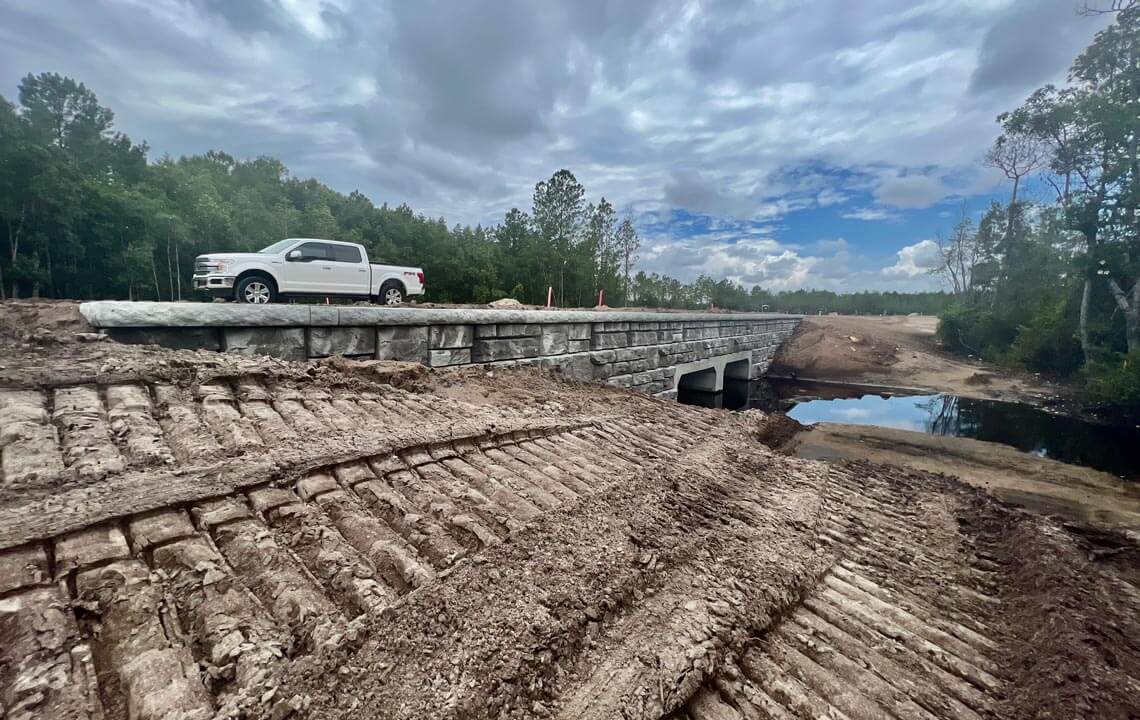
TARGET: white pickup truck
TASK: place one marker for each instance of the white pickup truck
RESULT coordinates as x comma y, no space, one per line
304,267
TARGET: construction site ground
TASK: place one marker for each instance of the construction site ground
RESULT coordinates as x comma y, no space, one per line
903,351
197,535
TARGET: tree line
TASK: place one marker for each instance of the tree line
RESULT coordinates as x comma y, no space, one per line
1054,287
87,216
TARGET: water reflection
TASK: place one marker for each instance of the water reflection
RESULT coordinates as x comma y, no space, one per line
1113,449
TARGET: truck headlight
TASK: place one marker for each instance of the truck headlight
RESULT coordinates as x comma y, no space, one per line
219,267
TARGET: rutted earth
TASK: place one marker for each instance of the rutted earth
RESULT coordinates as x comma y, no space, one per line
193,535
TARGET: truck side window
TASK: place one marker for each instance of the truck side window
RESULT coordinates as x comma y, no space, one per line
314,251
345,253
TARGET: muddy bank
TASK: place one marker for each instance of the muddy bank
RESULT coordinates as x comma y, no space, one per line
1070,492
902,351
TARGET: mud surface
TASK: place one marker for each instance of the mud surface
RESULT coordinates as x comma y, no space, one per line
1069,492
193,535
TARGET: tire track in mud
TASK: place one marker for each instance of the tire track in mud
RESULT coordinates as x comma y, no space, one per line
193,610
254,544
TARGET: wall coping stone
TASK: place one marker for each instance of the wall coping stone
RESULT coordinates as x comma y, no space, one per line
124,314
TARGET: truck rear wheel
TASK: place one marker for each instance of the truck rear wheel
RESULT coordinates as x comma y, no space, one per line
255,290
391,293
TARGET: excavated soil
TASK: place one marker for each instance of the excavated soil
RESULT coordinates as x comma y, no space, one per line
902,351
193,535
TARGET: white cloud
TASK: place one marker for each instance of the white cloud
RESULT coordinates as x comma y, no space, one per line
735,110
911,191
869,214
917,259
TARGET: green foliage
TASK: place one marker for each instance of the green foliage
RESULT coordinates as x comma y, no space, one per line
1048,342
87,217
1114,385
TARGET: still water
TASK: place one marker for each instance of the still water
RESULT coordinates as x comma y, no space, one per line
1112,449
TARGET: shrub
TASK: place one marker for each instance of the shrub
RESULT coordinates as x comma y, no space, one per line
1047,343
1115,385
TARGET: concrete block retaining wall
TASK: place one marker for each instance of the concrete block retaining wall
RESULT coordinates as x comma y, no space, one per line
640,350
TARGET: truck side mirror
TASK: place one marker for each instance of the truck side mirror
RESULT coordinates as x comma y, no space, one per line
293,255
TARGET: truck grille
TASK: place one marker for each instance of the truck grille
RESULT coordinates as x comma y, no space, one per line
200,266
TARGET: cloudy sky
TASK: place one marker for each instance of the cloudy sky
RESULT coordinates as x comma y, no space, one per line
789,143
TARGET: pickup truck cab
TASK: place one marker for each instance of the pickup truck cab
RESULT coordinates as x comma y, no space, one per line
304,267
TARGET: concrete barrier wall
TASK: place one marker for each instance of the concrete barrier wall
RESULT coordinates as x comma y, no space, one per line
646,351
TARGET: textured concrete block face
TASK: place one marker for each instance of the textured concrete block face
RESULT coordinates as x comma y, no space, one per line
284,343
485,331
601,372
196,338
519,330
406,343
633,353
86,547
451,336
325,341
579,331
555,339
493,349
603,340
577,367
643,337
577,346
447,358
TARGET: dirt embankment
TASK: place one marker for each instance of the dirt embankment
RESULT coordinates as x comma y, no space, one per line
194,535
1073,493
900,351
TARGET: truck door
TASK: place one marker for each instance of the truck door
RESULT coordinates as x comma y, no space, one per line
310,273
350,270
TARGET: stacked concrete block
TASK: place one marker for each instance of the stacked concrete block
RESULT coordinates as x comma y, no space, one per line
349,341
402,342
494,343
450,345
287,343
621,348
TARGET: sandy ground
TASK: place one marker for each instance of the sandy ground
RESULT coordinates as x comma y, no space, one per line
193,535
1072,493
900,351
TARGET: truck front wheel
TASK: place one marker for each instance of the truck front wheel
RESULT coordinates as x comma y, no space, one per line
391,293
255,290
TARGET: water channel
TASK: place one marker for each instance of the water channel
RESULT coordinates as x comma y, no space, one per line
1113,449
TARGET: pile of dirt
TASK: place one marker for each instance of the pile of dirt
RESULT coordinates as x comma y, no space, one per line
42,322
820,350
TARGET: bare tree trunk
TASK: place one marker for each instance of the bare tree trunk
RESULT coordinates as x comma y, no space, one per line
154,272
178,270
1083,326
169,269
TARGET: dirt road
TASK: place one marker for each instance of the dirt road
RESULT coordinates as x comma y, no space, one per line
900,351
193,535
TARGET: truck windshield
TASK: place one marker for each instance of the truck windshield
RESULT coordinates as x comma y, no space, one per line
276,247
